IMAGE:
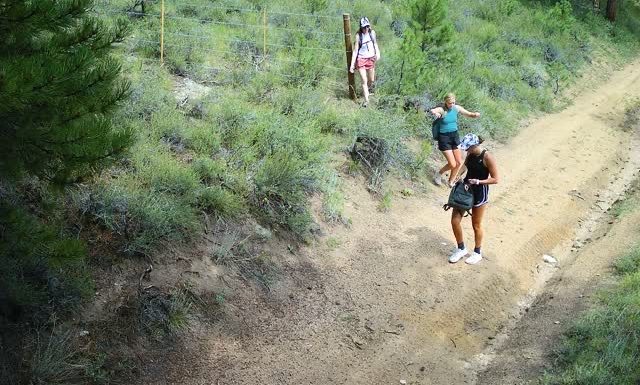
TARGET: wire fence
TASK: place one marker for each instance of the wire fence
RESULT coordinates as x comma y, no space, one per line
207,36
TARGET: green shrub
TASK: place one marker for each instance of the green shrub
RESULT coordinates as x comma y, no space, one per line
141,220
55,360
280,191
629,263
209,171
162,315
164,174
603,345
42,270
333,199
220,201
203,139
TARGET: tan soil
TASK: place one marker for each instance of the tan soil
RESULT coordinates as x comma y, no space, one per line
377,303
526,352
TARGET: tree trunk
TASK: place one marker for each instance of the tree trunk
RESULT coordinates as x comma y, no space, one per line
612,10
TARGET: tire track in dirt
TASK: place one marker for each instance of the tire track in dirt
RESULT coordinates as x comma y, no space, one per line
556,156
523,352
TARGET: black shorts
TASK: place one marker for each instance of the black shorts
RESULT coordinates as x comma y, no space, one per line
448,141
480,194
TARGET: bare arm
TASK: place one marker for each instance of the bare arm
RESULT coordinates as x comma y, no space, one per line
354,54
375,45
437,112
467,113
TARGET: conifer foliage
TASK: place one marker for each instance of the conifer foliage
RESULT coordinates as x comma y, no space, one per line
427,43
58,82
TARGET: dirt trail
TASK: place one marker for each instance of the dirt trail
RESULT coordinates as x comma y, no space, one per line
378,303
523,355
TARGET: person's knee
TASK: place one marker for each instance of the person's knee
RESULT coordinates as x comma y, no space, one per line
477,226
453,164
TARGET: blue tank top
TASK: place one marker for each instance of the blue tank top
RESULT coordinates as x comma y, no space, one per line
450,121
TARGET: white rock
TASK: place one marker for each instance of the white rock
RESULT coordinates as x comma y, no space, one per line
403,382
549,259
84,333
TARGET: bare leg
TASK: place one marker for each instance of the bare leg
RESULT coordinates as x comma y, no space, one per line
457,154
371,75
477,213
365,86
456,218
451,161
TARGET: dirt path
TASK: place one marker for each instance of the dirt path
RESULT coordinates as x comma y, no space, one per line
378,303
522,355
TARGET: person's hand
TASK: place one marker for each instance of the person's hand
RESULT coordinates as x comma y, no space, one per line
351,69
477,114
437,115
474,181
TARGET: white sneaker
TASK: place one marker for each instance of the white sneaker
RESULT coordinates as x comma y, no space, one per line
457,255
437,178
473,259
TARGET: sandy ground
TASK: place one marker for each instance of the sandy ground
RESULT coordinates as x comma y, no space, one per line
378,303
524,353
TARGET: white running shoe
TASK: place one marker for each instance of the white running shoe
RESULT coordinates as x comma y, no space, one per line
437,178
473,259
457,255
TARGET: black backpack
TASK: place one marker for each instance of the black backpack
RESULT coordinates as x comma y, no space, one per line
435,128
460,198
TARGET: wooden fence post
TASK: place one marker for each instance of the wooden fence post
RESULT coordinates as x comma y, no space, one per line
162,33
346,20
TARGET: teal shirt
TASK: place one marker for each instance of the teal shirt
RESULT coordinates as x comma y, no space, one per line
450,121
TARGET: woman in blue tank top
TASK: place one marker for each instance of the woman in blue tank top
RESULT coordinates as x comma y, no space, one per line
448,137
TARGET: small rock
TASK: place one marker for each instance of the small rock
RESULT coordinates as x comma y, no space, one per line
83,333
403,382
549,259
262,233
556,322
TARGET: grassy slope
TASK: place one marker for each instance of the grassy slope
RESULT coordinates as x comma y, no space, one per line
260,141
267,133
603,345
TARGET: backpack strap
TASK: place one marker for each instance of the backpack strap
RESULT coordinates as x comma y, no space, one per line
373,40
465,213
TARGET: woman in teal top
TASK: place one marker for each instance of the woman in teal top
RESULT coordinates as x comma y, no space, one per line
448,137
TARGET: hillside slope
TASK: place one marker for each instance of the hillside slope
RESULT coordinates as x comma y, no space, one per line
378,303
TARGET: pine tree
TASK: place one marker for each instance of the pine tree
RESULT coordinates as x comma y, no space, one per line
427,43
58,85
430,24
